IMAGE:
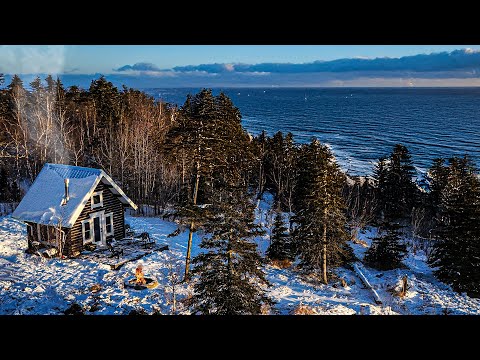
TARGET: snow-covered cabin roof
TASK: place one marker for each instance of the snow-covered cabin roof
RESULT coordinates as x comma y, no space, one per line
43,202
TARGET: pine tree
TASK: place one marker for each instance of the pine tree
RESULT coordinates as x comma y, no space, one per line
401,180
4,186
15,192
380,173
260,150
386,251
438,180
456,253
280,245
396,190
36,85
190,139
321,228
51,84
229,269
209,135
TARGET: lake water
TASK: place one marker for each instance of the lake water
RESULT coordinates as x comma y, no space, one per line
362,124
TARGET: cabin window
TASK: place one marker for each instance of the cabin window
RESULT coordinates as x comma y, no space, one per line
39,232
97,199
86,231
109,224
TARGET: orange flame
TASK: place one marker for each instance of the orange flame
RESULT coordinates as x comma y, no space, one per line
139,275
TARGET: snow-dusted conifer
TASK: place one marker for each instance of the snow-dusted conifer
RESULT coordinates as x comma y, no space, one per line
387,250
280,247
456,254
396,189
321,228
231,280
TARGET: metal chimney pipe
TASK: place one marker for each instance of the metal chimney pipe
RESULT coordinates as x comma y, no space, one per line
66,190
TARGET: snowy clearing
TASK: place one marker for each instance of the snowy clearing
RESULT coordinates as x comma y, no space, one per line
30,284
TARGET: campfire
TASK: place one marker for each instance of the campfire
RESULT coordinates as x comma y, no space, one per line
140,282
139,275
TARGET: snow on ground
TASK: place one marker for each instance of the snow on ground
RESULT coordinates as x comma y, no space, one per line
30,284
426,294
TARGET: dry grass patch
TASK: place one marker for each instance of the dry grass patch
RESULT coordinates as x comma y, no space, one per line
281,264
303,310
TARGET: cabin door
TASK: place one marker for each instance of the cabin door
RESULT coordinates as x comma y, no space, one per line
98,234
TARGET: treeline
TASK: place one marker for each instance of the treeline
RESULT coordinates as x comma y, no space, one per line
198,164
121,131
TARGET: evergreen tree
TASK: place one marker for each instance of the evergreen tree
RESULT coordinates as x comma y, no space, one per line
456,253
386,251
16,83
229,269
438,180
210,137
260,151
380,173
396,188
192,138
290,177
15,192
4,186
51,84
401,180
321,233
36,85
280,245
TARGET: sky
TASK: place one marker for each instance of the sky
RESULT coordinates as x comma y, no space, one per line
249,65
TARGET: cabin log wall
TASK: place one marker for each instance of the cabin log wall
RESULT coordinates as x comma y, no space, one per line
111,204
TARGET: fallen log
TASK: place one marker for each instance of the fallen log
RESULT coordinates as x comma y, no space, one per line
367,284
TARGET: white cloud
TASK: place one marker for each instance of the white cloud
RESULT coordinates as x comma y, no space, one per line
150,73
254,73
31,59
470,51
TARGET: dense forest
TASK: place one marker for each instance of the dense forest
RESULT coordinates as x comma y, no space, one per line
197,164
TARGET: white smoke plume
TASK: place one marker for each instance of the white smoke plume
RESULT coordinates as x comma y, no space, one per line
32,59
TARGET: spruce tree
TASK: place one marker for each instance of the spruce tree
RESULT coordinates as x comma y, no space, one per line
4,186
321,233
456,253
192,140
438,180
380,173
387,250
260,150
396,190
280,247
229,268
280,168
210,140
401,181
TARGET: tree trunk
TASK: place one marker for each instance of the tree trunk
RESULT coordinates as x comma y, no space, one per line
189,250
174,295
192,225
324,249
324,237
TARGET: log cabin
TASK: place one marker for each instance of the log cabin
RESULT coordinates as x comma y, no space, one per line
68,207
